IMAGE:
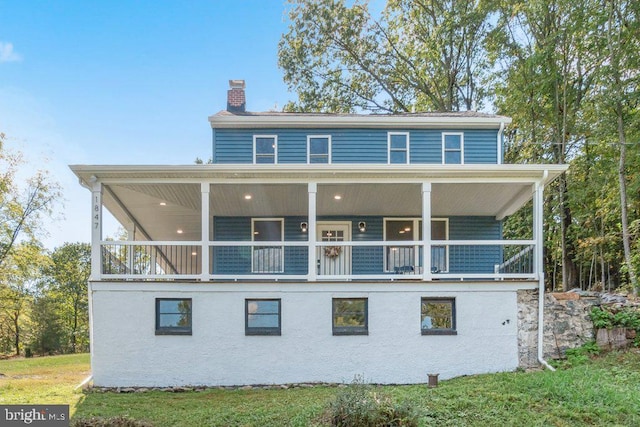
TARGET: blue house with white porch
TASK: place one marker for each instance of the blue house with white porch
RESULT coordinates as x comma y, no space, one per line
314,248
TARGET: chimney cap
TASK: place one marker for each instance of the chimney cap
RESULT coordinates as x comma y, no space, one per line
236,84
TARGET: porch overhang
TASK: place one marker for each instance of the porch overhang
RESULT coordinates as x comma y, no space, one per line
134,194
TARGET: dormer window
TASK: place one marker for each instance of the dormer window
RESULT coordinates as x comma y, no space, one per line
319,149
265,149
398,143
453,148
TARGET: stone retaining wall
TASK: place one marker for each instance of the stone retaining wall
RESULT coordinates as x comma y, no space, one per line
567,323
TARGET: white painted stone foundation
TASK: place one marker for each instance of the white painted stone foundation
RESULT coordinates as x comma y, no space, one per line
126,351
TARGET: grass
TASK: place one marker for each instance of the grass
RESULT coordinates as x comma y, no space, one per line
604,391
43,380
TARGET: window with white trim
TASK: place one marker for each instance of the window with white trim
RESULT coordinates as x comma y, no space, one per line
402,259
318,149
453,148
438,316
265,149
270,257
398,145
262,317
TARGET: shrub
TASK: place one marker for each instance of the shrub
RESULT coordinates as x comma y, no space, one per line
579,356
625,318
28,353
361,405
109,422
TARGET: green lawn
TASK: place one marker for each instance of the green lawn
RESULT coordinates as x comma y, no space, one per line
43,380
605,391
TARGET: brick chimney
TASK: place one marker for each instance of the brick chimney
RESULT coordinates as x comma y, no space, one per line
236,102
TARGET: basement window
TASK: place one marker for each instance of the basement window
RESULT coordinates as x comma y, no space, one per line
350,316
173,316
438,316
262,317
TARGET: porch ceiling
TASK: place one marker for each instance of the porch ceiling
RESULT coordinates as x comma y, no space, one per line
160,210
160,200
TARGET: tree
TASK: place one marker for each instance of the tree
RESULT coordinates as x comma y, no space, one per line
546,51
621,90
22,207
420,55
67,278
17,282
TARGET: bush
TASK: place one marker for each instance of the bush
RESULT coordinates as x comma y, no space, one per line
361,405
109,422
28,353
605,319
578,356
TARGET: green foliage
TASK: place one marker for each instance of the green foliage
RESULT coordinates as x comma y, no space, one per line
362,405
606,318
109,422
602,319
338,57
579,356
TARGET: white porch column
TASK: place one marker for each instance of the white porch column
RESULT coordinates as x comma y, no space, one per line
426,231
311,231
96,231
131,230
205,189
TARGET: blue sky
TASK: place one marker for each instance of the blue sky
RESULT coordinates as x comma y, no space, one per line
127,82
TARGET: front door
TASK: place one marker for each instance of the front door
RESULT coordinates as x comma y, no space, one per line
334,260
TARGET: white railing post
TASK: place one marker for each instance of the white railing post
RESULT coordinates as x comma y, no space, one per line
426,231
205,189
311,231
96,231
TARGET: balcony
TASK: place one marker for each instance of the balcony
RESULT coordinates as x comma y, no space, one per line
334,261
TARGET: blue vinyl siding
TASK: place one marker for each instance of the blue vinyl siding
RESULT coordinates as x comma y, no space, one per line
365,260
352,145
480,146
474,259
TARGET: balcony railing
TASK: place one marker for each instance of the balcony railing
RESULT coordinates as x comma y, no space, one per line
366,260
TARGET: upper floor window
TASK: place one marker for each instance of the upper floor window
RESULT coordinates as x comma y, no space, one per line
453,148
173,316
398,143
319,149
265,149
270,257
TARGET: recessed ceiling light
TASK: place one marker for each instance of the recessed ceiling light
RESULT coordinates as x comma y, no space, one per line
407,229
337,197
401,231
256,232
163,203
179,231
248,196
194,253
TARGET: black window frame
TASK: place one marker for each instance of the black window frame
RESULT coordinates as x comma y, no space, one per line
350,330
174,330
439,331
262,330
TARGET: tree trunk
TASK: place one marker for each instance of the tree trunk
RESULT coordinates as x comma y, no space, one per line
569,270
16,328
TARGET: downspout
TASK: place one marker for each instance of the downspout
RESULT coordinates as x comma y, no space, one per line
500,131
540,265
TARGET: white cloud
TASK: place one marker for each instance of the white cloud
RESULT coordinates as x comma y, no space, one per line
7,53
